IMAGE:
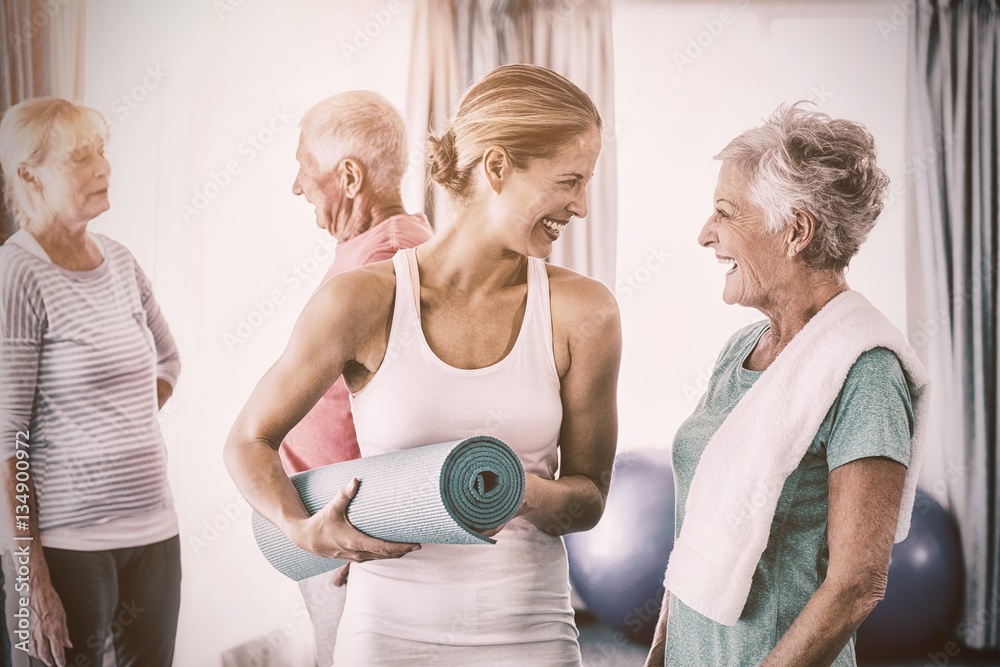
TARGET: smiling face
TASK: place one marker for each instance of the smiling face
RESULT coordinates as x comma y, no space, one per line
74,184
536,202
757,261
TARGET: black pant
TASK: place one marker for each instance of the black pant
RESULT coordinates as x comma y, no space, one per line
132,595
4,638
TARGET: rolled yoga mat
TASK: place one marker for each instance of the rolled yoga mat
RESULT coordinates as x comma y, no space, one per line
433,494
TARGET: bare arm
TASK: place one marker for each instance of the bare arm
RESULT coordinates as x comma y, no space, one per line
863,511
589,434
48,630
163,392
22,322
334,330
658,651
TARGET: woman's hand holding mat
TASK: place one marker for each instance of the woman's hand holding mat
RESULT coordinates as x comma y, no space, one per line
447,493
329,534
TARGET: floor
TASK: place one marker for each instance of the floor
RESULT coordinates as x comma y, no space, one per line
604,647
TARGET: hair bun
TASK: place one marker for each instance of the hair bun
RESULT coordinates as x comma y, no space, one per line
441,158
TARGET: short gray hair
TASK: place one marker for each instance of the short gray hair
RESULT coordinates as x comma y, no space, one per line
802,160
364,126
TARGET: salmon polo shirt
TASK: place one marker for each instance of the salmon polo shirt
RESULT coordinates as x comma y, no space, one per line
326,434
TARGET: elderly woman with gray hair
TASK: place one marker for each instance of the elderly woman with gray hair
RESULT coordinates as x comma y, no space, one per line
796,472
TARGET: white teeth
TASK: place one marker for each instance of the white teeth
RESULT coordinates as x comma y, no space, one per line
728,261
552,225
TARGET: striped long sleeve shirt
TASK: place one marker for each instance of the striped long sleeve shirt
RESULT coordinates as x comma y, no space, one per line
80,352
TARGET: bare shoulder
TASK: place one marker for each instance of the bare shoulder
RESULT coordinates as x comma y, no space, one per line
358,301
361,288
578,299
586,323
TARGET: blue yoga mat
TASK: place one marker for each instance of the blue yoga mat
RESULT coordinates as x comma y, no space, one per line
444,493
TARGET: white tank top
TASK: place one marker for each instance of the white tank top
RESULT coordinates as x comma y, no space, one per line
417,399
513,592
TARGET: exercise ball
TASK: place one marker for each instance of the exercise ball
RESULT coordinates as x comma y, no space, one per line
617,567
924,590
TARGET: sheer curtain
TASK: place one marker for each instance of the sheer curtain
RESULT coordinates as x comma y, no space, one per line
43,51
952,270
457,43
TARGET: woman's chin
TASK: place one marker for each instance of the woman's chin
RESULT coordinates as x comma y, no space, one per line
730,297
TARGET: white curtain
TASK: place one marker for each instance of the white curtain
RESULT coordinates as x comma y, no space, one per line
457,43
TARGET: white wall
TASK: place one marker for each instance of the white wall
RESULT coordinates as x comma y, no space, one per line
691,76
224,67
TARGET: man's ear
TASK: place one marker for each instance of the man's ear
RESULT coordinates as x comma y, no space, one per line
800,233
496,167
27,174
352,177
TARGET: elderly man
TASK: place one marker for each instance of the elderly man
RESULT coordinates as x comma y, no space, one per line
351,154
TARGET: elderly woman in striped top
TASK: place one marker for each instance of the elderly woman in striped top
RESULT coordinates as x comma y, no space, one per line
87,362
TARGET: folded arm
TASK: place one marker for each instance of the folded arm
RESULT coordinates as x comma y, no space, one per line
334,332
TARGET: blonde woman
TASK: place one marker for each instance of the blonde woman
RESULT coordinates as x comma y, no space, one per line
87,361
485,337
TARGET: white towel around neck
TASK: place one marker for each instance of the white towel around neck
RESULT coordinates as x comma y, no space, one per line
741,473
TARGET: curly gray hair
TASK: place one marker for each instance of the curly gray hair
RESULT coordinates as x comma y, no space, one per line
802,160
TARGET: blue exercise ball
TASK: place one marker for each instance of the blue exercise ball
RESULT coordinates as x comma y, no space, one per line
617,567
922,597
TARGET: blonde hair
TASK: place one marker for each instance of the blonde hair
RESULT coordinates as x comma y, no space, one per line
34,130
364,126
529,111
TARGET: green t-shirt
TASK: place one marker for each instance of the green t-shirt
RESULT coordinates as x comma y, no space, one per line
872,416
